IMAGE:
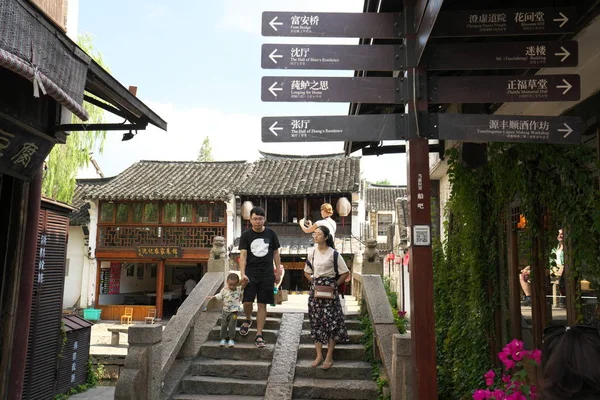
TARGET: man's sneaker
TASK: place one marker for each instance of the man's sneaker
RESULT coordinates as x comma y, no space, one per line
526,302
223,342
231,343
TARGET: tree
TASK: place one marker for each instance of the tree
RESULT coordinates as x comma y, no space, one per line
382,182
65,159
205,153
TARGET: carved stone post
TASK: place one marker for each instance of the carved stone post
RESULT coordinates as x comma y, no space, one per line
402,367
141,378
372,264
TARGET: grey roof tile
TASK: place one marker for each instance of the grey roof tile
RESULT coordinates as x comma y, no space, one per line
383,198
172,180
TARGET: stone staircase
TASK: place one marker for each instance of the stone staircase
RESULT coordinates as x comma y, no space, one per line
239,372
242,372
348,378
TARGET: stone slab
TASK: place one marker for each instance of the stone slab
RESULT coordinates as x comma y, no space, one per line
242,351
377,301
354,336
335,389
384,334
172,379
252,369
281,377
178,328
145,334
339,370
342,352
228,386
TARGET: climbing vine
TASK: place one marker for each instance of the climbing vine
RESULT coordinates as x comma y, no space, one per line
467,288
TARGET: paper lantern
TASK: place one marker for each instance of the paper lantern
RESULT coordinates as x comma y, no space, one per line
247,206
343,207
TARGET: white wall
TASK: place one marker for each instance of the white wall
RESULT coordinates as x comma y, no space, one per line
231,220
88,284
77,258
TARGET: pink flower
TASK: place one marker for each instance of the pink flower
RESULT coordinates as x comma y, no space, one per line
506,378
498,394
401,314
514,347
481,394
508,363
518,356
489,377
516,396
535,355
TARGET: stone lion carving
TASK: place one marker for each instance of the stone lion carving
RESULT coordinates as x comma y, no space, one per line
371,253
218,250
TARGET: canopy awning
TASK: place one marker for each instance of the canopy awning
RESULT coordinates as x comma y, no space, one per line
32,46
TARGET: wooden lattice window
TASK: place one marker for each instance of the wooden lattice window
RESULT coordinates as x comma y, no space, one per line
107,212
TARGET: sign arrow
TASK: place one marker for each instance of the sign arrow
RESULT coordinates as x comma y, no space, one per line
564,19
274,89
565,53
567,86
274,128
568,130
273,23
273,56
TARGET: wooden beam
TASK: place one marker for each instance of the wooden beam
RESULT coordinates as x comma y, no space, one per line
421,272
160,288
514,286
97,291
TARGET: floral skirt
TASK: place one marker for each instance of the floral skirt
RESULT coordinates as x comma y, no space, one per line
326,315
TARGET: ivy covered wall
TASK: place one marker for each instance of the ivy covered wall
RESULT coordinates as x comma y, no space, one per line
467,265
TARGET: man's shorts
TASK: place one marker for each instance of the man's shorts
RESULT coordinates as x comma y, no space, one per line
260,288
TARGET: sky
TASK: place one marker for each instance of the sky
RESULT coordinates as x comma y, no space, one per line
197,65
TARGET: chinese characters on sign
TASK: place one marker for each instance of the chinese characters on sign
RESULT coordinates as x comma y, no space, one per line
505,22
22,154
532,129
506,128
159,251
42,257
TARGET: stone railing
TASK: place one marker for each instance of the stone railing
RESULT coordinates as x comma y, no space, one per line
153,351
390,347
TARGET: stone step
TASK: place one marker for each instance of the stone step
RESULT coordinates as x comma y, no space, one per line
342,352
354,336
309,388
241,351
252,369
352,324
269,335
339,370
270,323
230,386
215,397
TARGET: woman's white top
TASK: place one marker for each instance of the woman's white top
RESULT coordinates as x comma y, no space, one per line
323,263
329,223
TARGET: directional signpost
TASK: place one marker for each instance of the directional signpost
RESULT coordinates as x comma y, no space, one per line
500,89
510,55
532,21
315,56
334,128
328,89
426,20
314,24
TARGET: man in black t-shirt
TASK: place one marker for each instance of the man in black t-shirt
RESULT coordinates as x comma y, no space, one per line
259,247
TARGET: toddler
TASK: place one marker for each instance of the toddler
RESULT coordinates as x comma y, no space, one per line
230,295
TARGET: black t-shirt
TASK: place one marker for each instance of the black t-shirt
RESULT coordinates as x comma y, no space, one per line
260,247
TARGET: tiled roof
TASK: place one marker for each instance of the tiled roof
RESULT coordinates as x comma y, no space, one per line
275,156
383,198
305,176
172,180
176,180
81,215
